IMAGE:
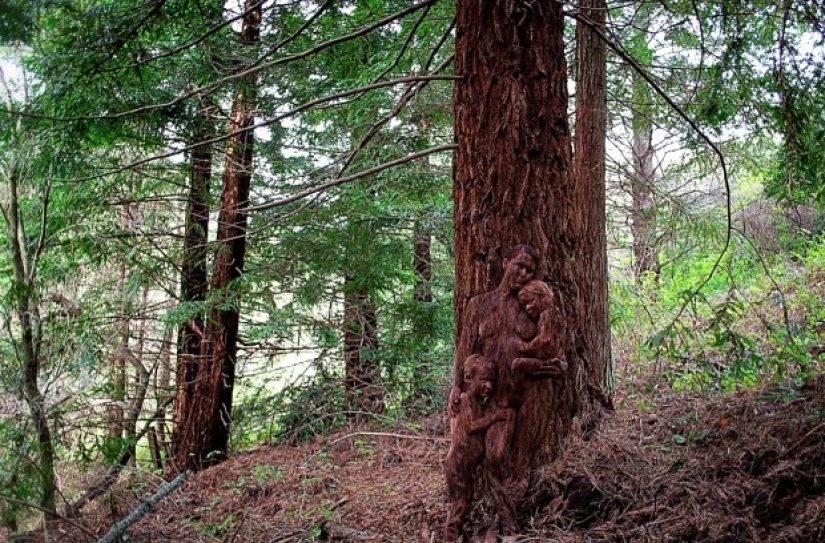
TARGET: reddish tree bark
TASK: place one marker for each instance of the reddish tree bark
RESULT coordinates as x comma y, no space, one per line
514,184
591,130
193,276
204,436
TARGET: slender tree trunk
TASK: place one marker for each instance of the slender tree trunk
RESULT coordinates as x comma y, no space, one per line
27,310
130,420
163,391
514,184
643,181
363,393
117,372
422,386
590,171
643,209
422,263
193,276
30,319
205,430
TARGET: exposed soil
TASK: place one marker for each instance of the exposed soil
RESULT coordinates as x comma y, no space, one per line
747,467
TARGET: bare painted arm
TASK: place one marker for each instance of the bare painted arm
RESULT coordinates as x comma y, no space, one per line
479,425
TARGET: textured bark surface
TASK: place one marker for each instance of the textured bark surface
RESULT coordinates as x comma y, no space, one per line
362,389
591,126
514,184
204,436
422,263
193,277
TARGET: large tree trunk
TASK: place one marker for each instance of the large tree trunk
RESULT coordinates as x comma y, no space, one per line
362,388
591,133
514,184
205,432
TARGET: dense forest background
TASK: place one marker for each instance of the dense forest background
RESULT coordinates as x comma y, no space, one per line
242,212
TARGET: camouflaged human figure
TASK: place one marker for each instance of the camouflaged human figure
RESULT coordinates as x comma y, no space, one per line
542,356
474,415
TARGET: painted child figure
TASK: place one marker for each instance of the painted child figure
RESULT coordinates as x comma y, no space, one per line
543,355
467,435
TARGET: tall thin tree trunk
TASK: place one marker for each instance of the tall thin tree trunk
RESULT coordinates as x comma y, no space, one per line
422,386
163,392
643,181
27,311
194,281
590,171
514,184
422,263
205,430
142,378
117,372
363,393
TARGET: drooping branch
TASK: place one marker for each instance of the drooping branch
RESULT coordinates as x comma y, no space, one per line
267,122
122,41
349,178
694,125
412,90
110,477
254,69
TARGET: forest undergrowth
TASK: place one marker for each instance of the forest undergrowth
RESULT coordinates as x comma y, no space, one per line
708,442
748,466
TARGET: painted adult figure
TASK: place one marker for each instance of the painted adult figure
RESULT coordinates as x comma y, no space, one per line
491,325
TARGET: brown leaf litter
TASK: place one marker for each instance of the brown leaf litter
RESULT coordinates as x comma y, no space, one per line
744,467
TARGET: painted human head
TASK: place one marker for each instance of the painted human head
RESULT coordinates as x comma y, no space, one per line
535,297
520,263
479,375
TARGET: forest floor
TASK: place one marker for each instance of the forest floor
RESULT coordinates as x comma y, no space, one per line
742,467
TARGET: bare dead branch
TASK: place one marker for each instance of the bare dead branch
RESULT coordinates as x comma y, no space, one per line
142,509
54,514
353,177
627,57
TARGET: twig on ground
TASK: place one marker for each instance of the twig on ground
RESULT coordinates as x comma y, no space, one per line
142,509
383,434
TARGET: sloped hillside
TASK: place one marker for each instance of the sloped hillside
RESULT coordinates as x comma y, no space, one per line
746,467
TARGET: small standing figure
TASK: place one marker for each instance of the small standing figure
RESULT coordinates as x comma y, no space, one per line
475,414
542,357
